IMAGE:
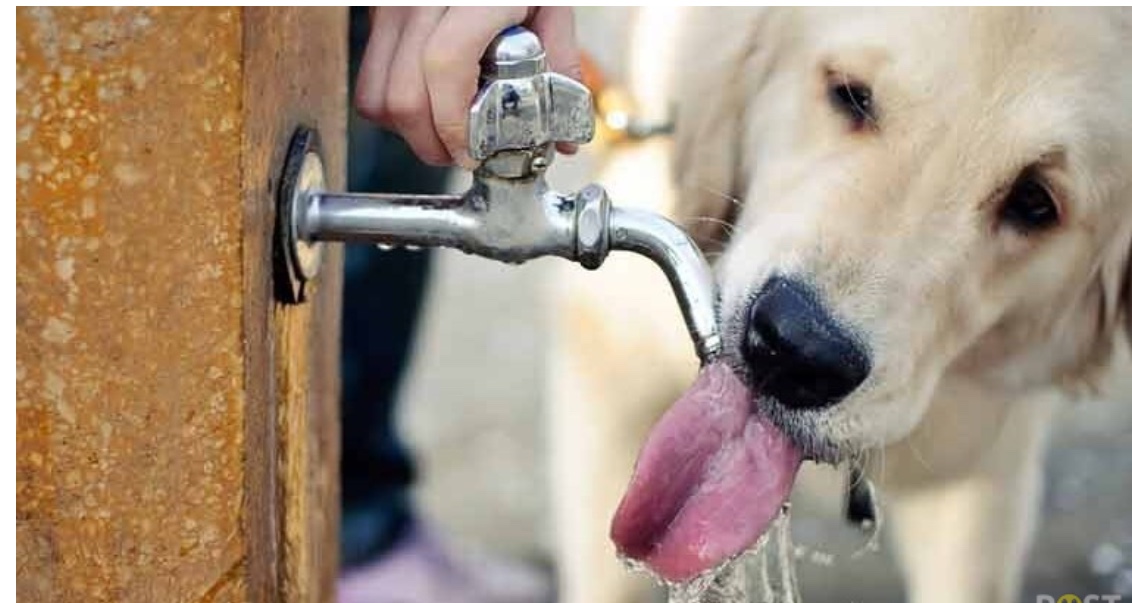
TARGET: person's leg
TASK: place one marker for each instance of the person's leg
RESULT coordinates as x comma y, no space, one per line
379,312
383,291
389,553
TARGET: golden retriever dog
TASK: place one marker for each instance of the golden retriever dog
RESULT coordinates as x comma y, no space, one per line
920,222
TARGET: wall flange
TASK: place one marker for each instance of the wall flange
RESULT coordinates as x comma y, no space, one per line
297,259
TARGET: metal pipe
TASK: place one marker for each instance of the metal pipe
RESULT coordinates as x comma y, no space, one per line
508,221
393,219
689,274
519,230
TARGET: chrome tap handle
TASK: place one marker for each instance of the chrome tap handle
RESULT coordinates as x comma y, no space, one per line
521,105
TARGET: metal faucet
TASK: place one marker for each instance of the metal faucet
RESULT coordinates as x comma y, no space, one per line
509,214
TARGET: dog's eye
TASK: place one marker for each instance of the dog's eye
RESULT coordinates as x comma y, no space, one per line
1029,207
853,100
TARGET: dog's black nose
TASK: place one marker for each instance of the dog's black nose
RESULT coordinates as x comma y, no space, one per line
796,351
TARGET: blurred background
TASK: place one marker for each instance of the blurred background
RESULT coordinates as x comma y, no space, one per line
471,409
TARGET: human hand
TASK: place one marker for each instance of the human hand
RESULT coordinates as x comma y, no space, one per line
421,65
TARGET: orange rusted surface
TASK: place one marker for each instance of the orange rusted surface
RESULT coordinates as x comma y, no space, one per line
129,292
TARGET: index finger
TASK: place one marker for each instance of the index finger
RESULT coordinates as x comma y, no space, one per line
451,66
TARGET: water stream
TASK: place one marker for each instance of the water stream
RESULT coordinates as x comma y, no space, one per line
763,573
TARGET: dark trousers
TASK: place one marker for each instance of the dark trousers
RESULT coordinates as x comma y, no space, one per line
383,293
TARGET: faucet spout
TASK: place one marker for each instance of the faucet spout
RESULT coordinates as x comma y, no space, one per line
666,244
514,221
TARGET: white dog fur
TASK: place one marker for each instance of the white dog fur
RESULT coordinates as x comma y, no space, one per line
978,332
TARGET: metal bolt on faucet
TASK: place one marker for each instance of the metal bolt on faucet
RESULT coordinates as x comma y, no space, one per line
509,214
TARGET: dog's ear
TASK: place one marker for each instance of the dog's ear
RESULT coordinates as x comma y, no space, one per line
1116,284
723,58
1109,322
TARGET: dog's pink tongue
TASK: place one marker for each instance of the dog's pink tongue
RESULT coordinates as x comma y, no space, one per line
712,476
